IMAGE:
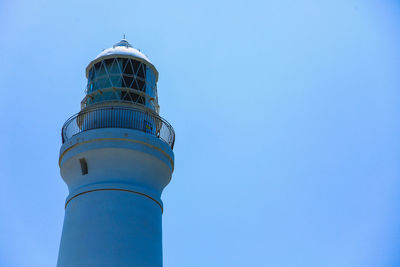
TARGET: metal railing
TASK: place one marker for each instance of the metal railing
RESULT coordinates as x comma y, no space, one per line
118,117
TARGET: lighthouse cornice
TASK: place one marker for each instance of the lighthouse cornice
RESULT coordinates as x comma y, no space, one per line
117,137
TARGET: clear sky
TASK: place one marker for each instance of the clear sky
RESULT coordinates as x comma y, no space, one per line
286,116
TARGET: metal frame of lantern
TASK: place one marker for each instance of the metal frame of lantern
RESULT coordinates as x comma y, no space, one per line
120,95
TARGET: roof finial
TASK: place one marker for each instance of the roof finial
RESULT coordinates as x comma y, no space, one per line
124,36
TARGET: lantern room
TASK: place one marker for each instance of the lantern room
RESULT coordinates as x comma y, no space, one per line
121,74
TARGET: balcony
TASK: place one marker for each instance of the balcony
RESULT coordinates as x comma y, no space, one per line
119,117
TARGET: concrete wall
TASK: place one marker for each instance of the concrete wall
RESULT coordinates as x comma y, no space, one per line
113,213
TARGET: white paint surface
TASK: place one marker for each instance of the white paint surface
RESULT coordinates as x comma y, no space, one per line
113,213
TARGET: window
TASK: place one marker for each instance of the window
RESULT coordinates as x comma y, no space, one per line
84,167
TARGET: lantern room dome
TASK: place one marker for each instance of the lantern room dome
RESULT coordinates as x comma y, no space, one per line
123,47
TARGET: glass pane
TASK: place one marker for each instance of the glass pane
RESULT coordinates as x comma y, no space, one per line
116,80
128,81
124,63
107,83
125,96
108,62
141,85
113,67
101,70
128,69
149,82
135,65
141,71
96,68
91,74
100,83
90,87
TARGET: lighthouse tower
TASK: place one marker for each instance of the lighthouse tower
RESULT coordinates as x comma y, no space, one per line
116,159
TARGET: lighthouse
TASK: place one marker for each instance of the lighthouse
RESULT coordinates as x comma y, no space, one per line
116,159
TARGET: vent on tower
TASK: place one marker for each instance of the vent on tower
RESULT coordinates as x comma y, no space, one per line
84,167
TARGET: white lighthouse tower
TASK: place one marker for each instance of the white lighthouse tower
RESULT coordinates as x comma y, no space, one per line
116,159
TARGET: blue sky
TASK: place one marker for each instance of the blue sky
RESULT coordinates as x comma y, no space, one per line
286,115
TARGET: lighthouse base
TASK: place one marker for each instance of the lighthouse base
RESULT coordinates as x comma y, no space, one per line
111,228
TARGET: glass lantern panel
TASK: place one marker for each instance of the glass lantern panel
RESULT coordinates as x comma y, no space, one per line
113,67
141,72
128,70
149,82
135,65
116,80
